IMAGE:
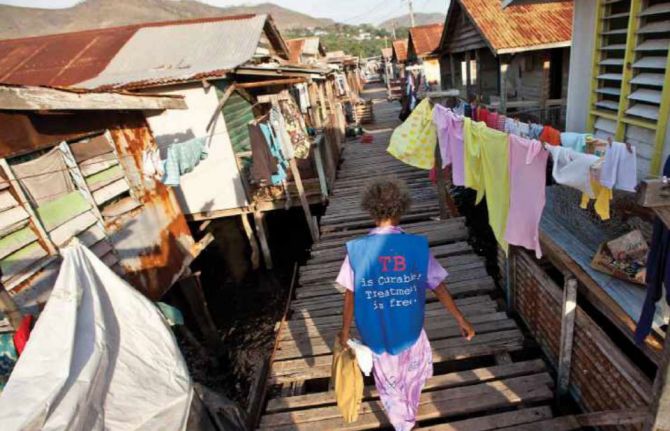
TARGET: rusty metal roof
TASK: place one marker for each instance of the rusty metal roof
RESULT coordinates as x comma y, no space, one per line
425,38
400,50
178,53
295,49
520,27
69,58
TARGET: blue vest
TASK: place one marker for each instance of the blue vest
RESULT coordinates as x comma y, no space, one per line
390,279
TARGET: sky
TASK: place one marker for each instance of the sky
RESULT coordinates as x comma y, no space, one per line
347,11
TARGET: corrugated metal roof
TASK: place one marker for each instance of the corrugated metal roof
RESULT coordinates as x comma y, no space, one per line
68,58
400,50
425,38
521,26
184,52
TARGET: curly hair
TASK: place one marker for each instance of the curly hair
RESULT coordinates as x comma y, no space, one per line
386,198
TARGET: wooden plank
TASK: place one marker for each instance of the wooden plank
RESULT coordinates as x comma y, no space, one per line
495,421
567,335
440,403
43,98
455,379
594,419
109,192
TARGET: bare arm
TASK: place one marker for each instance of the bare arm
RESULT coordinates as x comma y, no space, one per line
347,316
448,302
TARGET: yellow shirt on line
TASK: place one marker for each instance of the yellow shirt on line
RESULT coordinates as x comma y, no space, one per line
487,171
603,198
414,141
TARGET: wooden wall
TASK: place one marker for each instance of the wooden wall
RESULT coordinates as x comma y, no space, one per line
601,376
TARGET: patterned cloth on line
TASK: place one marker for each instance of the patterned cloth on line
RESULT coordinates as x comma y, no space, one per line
182,158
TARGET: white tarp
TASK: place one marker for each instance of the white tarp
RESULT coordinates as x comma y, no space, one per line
101,356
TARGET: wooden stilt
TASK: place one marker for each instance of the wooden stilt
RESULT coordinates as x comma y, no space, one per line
195,297
452,67
504,64
9,307
567,335
261,231
255,255
303,200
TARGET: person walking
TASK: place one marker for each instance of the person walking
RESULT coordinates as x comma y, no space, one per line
385,275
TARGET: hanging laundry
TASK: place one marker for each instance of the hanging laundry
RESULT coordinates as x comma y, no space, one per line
295,126
501,122
482,114
347,381
475,110
45,178
459,109
572,168
279,126
619,169
550,136
576,141
467,110
413,142
513,126
303,97
487,172
152,166
272,142
263,163
658,273
8,358
535,130
182,158
603,196
450,136
22,334
527,170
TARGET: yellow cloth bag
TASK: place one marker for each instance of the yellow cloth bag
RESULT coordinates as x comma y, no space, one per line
347,380
414,141
487,171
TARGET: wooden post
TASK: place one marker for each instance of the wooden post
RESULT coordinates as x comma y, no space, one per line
659,419
478,68
546,86
318,156
468,78
255,258
322,101
195,297
9,306
261,231
452,67
504,65
303,200
567,335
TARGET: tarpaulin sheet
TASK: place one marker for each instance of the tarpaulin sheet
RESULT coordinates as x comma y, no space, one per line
101,356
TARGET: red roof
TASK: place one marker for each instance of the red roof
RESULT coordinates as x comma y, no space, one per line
425,38
400,50
68,58
521,26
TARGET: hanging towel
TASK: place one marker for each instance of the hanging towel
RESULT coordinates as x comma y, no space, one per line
535,130
263,163
279,176
602,203
413,142
348,382
550,136
572,168
527,169
295,126
450,136
492,120
658,273
576,141
486,171
182,158
619,169
501,122
45,178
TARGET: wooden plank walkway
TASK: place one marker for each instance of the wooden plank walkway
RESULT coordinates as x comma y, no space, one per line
477,385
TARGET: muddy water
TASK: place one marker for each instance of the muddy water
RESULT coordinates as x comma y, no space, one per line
245,304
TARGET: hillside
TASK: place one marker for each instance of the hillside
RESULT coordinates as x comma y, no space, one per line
21,22
404,20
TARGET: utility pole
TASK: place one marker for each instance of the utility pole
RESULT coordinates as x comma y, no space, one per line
411,13
393,27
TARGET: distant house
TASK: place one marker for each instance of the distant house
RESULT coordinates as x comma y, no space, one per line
306,50
399,57
509,58
73,166
422,44
197,59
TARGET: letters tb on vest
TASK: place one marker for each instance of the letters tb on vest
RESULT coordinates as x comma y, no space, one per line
390,276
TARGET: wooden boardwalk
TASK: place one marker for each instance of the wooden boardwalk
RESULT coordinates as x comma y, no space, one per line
477,385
